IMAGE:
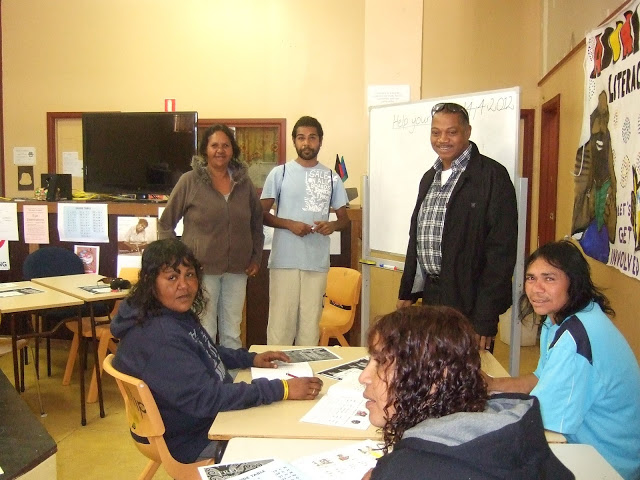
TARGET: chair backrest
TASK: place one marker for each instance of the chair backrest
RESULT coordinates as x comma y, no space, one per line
145,421
130,273
343,286
343,290
51,262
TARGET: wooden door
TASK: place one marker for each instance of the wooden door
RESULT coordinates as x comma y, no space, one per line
549,142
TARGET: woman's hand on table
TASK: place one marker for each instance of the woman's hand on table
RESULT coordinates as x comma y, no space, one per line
304,388
267,359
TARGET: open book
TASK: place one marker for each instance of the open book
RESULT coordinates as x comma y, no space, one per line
342,406
350,462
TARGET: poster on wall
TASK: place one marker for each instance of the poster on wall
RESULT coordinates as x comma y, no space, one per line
5,263
606,212
90,256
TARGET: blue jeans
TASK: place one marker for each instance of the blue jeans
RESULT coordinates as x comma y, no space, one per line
226,294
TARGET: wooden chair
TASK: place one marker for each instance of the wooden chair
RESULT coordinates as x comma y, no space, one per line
105,342
342,297
103,333
145,421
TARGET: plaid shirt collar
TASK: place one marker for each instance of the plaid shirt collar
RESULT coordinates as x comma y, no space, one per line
459,164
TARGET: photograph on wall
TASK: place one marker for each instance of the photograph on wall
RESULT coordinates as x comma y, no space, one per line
135,233
90,256
607,168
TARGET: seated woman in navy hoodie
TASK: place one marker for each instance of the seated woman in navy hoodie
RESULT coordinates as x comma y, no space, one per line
163,343
425,390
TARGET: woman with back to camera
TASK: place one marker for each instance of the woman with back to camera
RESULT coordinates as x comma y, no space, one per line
587,379
425,390
222,225
163,343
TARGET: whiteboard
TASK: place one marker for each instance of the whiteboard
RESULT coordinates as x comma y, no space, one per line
400,153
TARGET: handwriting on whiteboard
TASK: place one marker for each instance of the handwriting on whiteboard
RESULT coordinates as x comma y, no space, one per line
485,106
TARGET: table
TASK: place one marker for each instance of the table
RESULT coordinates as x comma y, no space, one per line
288,449
71,285
45,299
26,446
282,419
584,461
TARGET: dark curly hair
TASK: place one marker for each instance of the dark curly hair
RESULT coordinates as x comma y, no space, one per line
161,254
431,357
204,141
567,257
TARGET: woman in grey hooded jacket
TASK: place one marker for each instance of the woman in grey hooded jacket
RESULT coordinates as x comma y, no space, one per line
222,219
425,390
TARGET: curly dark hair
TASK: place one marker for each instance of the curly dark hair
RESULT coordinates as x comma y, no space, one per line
204,141
159,255
567,257
430,354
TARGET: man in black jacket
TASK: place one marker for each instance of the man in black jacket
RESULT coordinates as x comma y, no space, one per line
463,236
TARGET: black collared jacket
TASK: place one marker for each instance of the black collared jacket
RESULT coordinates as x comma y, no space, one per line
479,243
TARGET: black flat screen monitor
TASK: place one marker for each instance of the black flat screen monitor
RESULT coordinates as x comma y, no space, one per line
137,153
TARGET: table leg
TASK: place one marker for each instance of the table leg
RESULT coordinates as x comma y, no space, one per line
37,326
14,347
96,361
81,362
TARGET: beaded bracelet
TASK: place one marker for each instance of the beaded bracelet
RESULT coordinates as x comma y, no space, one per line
285,384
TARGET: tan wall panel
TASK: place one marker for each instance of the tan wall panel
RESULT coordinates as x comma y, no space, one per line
246,58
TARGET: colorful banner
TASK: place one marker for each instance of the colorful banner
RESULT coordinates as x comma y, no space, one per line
606,213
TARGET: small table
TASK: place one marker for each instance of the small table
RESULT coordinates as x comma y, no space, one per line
43,299
584,461
72,285
282,419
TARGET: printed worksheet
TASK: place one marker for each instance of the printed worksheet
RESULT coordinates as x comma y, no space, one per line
312,354
19,291
83,222
274,470
221,471
344,463
283,372
342,406
340,371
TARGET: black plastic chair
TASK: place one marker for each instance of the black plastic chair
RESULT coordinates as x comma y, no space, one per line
54,262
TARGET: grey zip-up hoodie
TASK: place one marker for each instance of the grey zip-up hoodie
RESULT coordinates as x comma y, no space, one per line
224,234
505,441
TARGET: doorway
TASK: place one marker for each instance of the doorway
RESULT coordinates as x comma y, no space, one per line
549,145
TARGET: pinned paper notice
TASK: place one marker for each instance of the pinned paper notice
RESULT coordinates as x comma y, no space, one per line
24,155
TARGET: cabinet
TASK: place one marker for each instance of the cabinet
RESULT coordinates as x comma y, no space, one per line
257,305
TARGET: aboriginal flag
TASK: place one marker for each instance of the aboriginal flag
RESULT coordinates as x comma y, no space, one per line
341,168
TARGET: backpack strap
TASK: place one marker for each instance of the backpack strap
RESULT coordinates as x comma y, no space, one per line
284,167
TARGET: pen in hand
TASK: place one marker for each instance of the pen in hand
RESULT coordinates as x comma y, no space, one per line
291,375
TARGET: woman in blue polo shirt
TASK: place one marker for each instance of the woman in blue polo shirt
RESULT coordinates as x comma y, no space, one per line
587,379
